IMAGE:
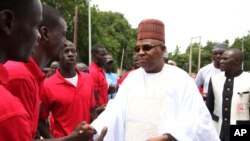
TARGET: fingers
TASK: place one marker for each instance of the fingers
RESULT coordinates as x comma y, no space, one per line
84,128
103,134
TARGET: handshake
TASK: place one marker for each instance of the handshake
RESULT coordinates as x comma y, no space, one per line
85,132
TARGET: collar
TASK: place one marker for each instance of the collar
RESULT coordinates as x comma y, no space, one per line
235,74
97,67
35,70
4,75
61,79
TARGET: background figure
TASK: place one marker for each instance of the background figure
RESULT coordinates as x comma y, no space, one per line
97,73
229,94
53,66
135,66
82,67
157,101
206,72
110,76
171,62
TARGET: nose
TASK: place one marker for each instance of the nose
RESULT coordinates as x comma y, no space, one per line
141,51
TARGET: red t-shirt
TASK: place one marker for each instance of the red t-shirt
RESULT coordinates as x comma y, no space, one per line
24,83
100,83
68,104
14,120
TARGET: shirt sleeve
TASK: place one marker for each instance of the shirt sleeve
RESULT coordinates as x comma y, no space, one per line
193,120
24,90
45,104
92,97
199,81
15,128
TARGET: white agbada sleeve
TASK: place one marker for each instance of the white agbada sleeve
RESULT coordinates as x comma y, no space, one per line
193,121
113,117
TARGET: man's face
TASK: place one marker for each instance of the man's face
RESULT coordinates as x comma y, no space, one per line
25,33
57,39
101,56
54,66
149,53
69,56
217,56
227,61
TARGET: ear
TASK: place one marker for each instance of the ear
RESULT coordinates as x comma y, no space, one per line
6,21
44,33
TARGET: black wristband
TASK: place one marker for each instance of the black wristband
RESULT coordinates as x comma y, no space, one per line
170,137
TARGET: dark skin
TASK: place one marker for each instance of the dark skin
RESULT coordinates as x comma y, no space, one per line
231,61
18,48
99,59
67,70
216,58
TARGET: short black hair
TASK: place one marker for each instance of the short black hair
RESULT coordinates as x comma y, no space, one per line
16,6
95,48
50,17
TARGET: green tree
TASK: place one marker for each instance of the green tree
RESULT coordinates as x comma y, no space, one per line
108,28
246,47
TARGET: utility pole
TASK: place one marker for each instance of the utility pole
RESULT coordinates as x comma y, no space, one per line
190,54
190,57
89,26
199,54
75,25
242,49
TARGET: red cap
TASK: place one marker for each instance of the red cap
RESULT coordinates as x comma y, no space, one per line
151,29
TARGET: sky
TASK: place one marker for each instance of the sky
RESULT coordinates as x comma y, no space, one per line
212,20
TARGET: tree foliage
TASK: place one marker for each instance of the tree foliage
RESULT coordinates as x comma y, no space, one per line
113,31
110,29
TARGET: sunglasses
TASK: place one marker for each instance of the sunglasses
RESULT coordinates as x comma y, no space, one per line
144,47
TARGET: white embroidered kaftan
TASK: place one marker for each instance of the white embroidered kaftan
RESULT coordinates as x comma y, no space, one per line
148,105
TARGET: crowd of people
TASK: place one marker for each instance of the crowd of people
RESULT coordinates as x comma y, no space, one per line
154,101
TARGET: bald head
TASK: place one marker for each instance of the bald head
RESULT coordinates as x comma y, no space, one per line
231,60
237,54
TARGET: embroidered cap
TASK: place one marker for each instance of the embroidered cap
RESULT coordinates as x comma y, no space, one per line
220,47
151,29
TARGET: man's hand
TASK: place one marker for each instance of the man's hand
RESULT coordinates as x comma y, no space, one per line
102,135
158,138
83,132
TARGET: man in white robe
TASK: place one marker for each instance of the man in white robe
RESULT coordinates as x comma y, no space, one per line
157,102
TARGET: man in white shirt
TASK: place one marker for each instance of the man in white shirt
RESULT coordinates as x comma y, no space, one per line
206,72
157,102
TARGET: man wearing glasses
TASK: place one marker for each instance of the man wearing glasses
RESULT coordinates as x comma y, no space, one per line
157,102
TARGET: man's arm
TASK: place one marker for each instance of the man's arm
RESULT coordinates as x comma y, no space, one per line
43,128
83,132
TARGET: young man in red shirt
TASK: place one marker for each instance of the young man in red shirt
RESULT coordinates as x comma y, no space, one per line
97,73
25,78
68,95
